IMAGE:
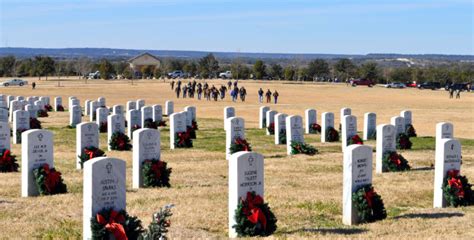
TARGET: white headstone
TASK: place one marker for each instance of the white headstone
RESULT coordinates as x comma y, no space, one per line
74,102
117,109
21,123
189,118
31,109
3,115
75,115
310,118
444,130
386,141
93,105
327,120
280,124
294,131
147,113
4,136
104,188
133,119
157,113
131,105
345,112
87,135
177,124
169,108
406,115
349,129
58,101
191,109
146,146
140,104
101,115
448,157
370,124
36,150
228,113
14,106
357,172
101,101
246,174
262,116
236,128
87,107
115,123
270,118
398,122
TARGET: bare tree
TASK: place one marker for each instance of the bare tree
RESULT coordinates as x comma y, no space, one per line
83,65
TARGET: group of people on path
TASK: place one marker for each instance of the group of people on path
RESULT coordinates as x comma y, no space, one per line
458,93
212,92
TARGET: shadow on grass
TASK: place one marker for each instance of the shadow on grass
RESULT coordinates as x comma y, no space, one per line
344,231
430,215
276,156
422,169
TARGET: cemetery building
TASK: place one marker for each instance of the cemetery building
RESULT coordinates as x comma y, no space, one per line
143,60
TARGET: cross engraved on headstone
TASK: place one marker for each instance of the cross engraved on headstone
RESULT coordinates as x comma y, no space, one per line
40,137
109,168
251,160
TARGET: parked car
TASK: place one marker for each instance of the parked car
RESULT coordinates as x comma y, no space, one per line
411,84
226,74
176,74
395,85
94,75
14,82
362,82
430,85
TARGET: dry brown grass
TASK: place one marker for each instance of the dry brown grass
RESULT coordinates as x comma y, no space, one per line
304,192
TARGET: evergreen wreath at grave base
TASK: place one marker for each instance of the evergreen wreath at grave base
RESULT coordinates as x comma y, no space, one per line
373,135
271,128
35,123
71,127
410,130
282,136
48,108
42,113
103,127
8,161
314,128
395,162
159,225
109,223
48,180
156,173
304,148
254,217
238,145
183,140
368,204
457,190
89,153
191,131
194,125
119,141
59,108
18,134
403,141
332,135
354,140
161,123
149,123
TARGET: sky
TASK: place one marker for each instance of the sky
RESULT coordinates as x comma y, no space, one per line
263,26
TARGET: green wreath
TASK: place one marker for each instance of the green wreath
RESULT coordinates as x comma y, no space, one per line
403,141
304,148
238,145
314,128
271,128
282,136
161,123
410,130
89,153
354,140
59,108
159,224
457,190
254,217
368,204
149,123
111,224
183,140
8,162
394,162
48,108
35,123
42,113
331,134
18,134
191,131
48,180
120,142
156,173
103,127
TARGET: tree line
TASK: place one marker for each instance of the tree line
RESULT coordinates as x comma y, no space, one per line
209,67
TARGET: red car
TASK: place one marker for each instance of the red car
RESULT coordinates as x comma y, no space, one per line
362,82
411,84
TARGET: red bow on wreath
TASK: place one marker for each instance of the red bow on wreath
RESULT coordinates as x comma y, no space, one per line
183,136
243,143
113,225
356,140
253,212
6,158
91,153
121,142
369,195
52,178
455,182
156,168
395,159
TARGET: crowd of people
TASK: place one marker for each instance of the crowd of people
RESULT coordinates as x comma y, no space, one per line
193,88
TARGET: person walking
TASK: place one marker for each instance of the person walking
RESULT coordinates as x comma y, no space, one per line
178,91
33,85
275,96
243,92
172,85
260,95
458,94
269,96
451,92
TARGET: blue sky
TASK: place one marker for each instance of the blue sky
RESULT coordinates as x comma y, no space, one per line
298,26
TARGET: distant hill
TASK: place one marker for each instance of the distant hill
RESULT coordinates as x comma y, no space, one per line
111,53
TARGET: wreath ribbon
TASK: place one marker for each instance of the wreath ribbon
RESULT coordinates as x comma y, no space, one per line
114,224
395,159
183,137
455,182
90,153
253,212
243,143
6,156
53,177
369,195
